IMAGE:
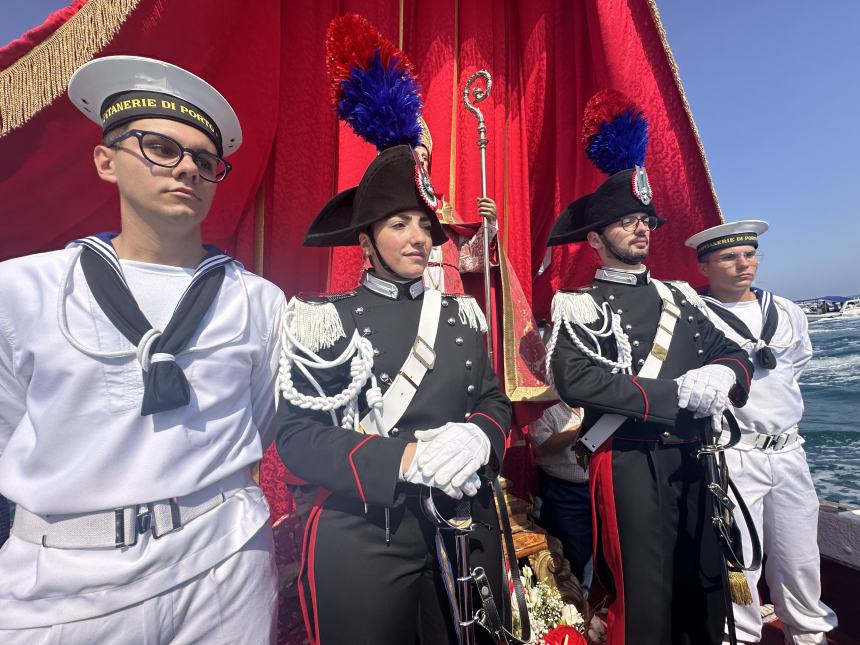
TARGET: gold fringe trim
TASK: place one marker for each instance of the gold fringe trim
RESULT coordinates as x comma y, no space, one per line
739,589
400,25
673,65
513,389
33,81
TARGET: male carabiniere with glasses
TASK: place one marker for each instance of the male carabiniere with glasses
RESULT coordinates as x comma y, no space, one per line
136,379
650,371
768,465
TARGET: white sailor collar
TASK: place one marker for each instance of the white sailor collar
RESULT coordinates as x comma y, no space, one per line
390,289
621,276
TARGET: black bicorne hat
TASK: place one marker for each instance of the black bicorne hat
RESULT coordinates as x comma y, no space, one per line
391,184
623,193
615,134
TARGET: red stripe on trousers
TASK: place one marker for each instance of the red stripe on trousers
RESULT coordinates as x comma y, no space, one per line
603,503
308,547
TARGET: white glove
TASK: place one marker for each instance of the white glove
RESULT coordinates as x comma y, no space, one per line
705,391
413,475
455,453
469,488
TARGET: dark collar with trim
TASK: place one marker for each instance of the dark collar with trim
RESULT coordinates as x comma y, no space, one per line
102,244
393,290
620,276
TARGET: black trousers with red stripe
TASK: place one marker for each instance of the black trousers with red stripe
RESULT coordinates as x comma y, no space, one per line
655,549
357,589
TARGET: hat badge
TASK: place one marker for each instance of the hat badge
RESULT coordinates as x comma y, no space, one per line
641,187
425,188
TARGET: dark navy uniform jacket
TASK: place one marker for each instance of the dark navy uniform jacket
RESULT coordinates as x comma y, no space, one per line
651,403
461,387
361,559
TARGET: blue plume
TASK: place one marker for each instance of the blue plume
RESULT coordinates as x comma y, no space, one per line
619,144
382,104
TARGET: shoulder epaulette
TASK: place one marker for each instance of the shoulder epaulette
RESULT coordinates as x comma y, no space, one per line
688,292
575,306
316,322
470,311
334,297
313,298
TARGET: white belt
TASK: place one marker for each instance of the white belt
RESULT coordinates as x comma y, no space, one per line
421,358
761,441
120,527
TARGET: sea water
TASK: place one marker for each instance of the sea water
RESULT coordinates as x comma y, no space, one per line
831,419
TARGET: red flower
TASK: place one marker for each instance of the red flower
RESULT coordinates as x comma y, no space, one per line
557,635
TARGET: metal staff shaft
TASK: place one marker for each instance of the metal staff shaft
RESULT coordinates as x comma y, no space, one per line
479,95
464,590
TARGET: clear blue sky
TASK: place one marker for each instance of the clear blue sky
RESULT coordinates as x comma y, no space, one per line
17,17
774,87
775,91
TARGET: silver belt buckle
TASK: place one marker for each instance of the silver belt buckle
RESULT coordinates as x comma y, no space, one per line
175,520
780,441
143,520
119,529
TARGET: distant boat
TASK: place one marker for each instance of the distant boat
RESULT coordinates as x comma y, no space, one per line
819,309
851,307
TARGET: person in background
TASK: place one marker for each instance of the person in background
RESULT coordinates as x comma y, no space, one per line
565,508
463,251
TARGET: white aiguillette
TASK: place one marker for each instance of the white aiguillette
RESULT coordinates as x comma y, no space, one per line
607,424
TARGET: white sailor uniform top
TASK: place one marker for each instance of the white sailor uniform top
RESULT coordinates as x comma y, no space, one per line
73,440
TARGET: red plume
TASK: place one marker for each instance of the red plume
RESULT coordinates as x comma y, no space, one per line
351,42
601,108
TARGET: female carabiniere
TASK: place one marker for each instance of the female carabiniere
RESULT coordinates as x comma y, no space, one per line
383,390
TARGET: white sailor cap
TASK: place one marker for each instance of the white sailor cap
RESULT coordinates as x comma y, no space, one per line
743,233
117,89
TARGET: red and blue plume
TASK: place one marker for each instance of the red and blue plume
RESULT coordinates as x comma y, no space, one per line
615,132
373,85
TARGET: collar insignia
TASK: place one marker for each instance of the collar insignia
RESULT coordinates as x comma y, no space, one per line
621,277
390,289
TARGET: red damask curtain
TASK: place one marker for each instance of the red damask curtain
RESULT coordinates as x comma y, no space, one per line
547,57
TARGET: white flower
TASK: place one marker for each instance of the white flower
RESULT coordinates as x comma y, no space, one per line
570,616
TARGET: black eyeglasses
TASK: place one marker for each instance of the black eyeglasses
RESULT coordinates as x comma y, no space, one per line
631,222
730,259
163,151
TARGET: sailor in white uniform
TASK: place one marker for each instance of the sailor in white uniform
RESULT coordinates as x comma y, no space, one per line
769,464
136,394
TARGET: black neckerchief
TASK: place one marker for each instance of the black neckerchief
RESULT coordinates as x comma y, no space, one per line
770,320
164,384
